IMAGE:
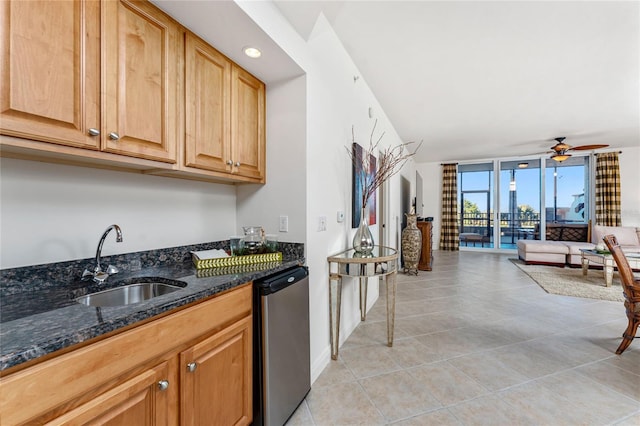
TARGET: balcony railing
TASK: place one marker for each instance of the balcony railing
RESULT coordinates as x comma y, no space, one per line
513,227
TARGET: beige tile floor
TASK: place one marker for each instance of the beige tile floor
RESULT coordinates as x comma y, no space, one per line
477,342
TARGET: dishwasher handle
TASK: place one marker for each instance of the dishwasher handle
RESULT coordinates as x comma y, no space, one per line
282,280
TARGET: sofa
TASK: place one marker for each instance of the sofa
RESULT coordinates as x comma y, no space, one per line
562,245
567,251
565,232
628,237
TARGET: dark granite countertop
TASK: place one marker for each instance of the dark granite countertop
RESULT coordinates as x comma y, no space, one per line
39,314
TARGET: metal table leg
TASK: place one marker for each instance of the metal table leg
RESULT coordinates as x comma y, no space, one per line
391,306
364,283
335,297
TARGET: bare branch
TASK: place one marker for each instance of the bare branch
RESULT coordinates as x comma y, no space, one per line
390,161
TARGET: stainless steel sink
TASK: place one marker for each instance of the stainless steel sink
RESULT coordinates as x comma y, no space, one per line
134,292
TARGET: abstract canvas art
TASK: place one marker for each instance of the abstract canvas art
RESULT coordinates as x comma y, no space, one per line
360,179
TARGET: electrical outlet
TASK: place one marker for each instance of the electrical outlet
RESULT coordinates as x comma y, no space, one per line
284,224
322,223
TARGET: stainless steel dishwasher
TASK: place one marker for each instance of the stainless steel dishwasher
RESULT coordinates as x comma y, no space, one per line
281,345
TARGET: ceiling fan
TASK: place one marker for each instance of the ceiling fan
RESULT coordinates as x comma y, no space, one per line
560,149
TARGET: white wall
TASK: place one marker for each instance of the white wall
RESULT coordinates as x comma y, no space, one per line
337,104
52,212
431,192
334,103
629,186
284,194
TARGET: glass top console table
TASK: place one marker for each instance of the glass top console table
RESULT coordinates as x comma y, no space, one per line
382,262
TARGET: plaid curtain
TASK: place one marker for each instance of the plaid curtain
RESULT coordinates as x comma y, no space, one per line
449,216
608,189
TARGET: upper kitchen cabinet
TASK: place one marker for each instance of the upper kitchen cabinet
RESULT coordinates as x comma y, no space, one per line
50,84
247,123
90,74
140,80
224,115
207,106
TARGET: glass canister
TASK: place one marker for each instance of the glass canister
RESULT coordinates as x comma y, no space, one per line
253,238
236,245
271,243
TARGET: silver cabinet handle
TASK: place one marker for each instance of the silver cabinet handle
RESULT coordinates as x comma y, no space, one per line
94,132
114,136
191,367
237,164
163,385
229,162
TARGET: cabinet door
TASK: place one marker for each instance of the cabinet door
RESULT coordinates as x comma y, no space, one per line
50,71
247,124
139,401
207,97
140,81
218,391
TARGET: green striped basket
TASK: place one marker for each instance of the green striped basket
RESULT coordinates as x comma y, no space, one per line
235,260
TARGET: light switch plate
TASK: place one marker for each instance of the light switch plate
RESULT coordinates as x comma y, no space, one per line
322,223
340,217
284,224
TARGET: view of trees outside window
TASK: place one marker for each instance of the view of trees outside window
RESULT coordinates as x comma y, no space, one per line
475,195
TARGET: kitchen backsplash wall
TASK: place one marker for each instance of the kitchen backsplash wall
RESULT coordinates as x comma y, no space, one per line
54,275
54,213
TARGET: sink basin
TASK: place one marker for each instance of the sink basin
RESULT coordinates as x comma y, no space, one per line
135,292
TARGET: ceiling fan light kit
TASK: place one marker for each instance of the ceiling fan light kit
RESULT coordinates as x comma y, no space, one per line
560,149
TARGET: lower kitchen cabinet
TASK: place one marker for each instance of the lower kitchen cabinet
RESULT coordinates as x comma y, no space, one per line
192,367
142,400
217,381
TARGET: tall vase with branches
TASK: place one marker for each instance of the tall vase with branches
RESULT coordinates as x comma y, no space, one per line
390,161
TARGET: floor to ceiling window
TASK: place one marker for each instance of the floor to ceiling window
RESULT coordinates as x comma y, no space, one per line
519,201
530,194
475,195
566,186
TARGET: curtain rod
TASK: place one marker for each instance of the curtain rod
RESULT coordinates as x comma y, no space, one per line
619,152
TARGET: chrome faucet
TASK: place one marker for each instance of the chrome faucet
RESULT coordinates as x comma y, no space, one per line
97,274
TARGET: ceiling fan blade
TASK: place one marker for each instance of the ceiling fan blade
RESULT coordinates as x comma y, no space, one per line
588,147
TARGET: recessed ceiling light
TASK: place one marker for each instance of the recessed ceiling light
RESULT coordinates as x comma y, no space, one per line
252,52
523,165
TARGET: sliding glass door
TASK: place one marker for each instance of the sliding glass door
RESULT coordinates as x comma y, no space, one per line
474,204
519,201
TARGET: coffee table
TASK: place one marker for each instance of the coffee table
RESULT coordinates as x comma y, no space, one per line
606,261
